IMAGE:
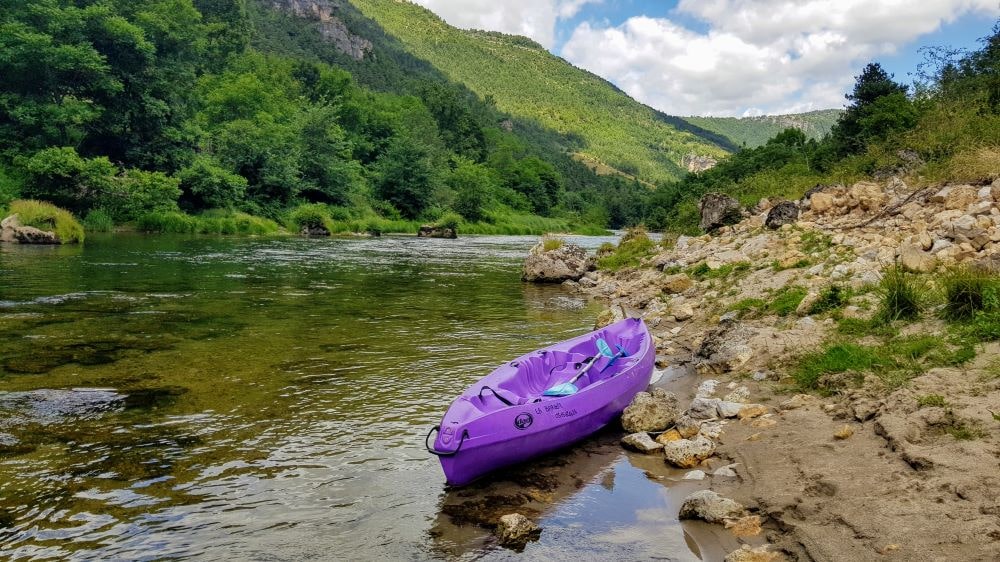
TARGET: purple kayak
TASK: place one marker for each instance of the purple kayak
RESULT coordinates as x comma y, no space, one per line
505,418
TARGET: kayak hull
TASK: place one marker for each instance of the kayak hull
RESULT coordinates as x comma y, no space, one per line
504,419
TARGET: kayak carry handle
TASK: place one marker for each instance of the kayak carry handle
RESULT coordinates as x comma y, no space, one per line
433,451
495,393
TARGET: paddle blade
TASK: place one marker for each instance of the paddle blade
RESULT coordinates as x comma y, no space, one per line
604,348
565,389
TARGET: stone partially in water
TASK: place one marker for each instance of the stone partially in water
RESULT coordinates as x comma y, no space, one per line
654,411
688,453
515,531
641,442
566,262
710,506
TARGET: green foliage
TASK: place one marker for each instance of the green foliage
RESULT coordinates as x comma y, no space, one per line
48,217
449,220
475,185
634,246
311,217
218,221
404,177
787,300
206,184
746,306
931,401
969,291
10,187
99,220
138,192
62,176
751,132
550,244
902,295
702,271
835,359
832,297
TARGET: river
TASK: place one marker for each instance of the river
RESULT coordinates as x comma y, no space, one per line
267,399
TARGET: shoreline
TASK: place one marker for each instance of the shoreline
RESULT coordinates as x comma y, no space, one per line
865,468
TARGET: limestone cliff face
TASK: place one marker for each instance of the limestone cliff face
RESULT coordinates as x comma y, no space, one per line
696,163
331,27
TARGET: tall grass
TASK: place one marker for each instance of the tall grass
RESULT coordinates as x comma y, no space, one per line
98,220
902,295
210,222
968,291
633,248
48,217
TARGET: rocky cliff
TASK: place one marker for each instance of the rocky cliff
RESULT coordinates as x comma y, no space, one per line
331,27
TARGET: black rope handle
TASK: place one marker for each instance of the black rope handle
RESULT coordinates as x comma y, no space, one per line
495,393
431,450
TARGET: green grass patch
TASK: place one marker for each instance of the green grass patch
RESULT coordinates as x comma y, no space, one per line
314,217
931,401
787,300
902,295
835,359
210,222
968,292
702,271
831,298
48,217
552,244
746,306
965,431
814,242
98,220
630,252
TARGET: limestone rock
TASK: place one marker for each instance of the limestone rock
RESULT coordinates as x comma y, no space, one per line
668,436
688,453
724,349
751,411
676,284
718,209
741,394
641,442
746,553
431,231
728,409
781,214
811,298
682,312
916,259
654,411
844,432
703,408
710,506
568,261
695,475
516,530
956,197
686,426
869,196
797,401
821,202
32,235
609,316
725,471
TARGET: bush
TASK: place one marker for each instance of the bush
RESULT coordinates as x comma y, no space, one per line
606,249
137,192
550,244
449,220
48,217
10,187
635,246
99,220
313,216
901,295
63,177
206,183
967,292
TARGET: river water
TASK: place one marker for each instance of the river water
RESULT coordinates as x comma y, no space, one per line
267,399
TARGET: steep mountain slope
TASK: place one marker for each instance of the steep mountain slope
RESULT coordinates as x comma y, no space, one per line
614,131
755,131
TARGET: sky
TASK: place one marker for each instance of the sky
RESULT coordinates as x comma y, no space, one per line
733,57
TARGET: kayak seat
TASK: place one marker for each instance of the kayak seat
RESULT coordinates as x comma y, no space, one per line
540,372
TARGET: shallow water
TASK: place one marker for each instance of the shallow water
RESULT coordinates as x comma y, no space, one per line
219,398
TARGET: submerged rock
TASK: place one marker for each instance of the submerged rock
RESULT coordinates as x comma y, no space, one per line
710,506
515,530
431,231
654,411
556,265
641,442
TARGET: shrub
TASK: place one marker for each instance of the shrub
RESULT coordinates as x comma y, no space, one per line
311,216
550,244
901,295
62,176
968,291
449,220
10,187
98,220
635,246
206,183
48,217
832,297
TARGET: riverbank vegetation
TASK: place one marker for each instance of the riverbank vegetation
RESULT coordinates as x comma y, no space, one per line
944,128
47,217
183,117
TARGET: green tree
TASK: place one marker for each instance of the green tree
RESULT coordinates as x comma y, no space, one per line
64,178
404,177
474,186
206,184
538,181
878,106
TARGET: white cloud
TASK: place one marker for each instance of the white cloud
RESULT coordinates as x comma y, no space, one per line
771,56
533,18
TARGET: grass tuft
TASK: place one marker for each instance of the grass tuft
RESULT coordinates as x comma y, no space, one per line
931,401
552,244
902,295
969,291
634,246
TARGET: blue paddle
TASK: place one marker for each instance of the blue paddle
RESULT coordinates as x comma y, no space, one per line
568,388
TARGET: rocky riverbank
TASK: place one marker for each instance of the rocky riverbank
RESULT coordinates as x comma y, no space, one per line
831,431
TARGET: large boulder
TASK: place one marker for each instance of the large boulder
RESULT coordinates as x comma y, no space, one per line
724,349
565,262
711,507
515,530
781,214
650,411
432,231
11,230
914,258
717,210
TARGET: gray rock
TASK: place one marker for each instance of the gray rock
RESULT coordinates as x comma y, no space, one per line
431,231
781,214
641,442
723,349
695,475
515,530
707,388
568,261
688,453
725,471
710,506
728,409
653,411
11,230
704,408
687,426
741,394
717,210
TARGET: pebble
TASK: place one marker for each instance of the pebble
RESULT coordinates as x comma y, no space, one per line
695,475
726,471
844,433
